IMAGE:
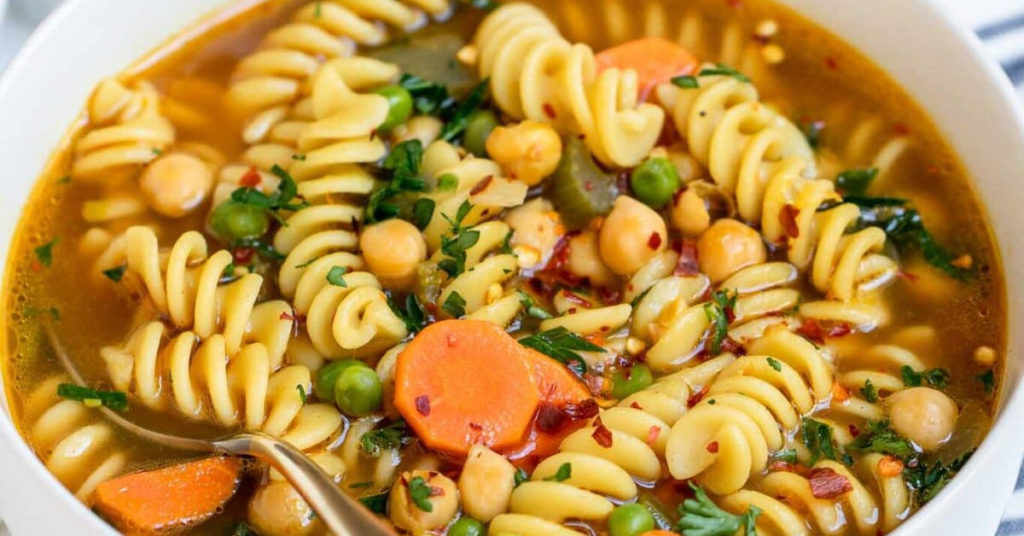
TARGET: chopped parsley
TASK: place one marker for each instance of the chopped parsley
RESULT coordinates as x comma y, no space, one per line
854,182
265,250
562,345
429,98
44,253
447,183
531,308
686,82
775,364
455,305
988,381
115,400
403,163
422,212
869,391
721,69
336,276
432,98
936,377
882,439
412,315
302,392
420,492
787,455
377,504
719,312
928,480
286,197
458,119
520,476
116,274
702,517
392,436
457,242
563,473
817,437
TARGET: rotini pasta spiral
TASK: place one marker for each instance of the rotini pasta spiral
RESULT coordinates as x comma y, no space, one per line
727,437
536,74
354,320
76,446
128,131
185,285
482,284
207,382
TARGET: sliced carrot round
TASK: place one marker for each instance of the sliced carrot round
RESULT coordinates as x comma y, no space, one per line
654,59
461,382
555,382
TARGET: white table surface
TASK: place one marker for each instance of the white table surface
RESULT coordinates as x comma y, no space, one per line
1007,48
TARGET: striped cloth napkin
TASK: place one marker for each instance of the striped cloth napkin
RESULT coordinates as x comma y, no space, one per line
999,23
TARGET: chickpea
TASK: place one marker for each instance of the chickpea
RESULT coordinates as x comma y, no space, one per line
486,483
277,508
529,151
176,183
537,227
421,127
923,415
444,499
585,260
689,213
631,235
392,249
726,247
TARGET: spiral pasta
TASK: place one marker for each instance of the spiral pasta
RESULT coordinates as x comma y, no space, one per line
727,437
482,284
354,320
207,382
185,285
76,446
536,74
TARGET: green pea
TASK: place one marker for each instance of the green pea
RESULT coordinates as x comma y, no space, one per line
467,526
654,182
400,106
633,379
630,520
232,220
358,391
328,374
478,129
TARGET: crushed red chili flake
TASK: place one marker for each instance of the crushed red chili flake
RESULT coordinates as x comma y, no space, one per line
652,434
695,398
854,431
243,255
588,186
251,179
451,340
654,242
831,63
549,110
734,3
482,185
576,298
602,435
787,217
634,405
586,409
423,405
828,484
713,447
907,275
476,426
291,317
688,264
901,129
812,330
788,467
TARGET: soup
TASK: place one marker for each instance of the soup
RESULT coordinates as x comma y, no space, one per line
616,269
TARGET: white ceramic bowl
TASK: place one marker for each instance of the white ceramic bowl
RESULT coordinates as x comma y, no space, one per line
939,63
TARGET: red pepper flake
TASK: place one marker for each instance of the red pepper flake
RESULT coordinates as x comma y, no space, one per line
476,426
423,405
695,398
482,185
243,255
634,405
812,330
549,110
451,340
578,411
854,431
654,242
780,465
602,435
911,277
251,179
588,186
787,217
831,63
828,484
688,264
550,418
652,435
734,3
713,447
901,129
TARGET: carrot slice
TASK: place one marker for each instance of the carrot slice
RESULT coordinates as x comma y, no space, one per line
556,383
654,59
170,498
461,382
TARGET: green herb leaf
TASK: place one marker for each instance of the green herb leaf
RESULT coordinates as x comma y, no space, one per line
775,364
882,439
44,253
302,392
457,242
719,312
412,315
457,120
520,476
422,212
562,345
702,517
420,492
403,163
812,130
927,481
817,437
856,181
869,391
115,400
377,504
455,305
336,276
988,381
360,485
563,473
686,82
936,377
788,456
392,436
116,274
722,69
429,98
531,308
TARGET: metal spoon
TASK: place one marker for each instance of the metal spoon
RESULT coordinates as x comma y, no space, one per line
342,514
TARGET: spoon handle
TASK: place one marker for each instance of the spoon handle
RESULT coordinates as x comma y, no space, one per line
342,514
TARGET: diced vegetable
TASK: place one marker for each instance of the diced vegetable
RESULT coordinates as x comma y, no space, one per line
478,129
358,391
654,182
328,375
399,106
630,520
655,60
168,499
631,380
232,220
580,189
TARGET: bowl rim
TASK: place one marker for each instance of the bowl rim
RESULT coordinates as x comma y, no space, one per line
1011,401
